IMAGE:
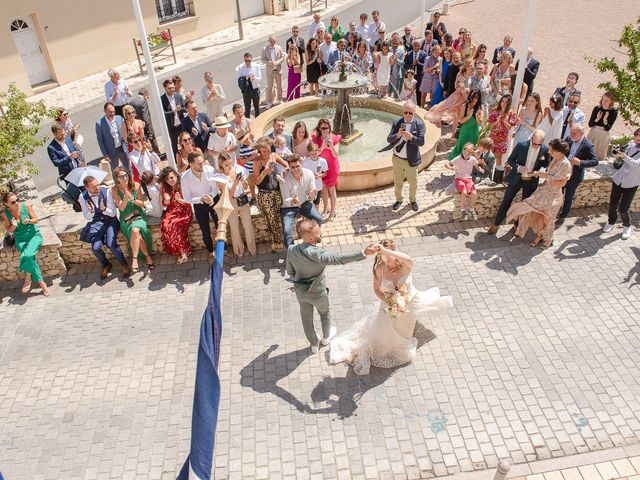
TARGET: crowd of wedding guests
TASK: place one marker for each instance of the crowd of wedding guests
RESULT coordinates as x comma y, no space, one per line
466,86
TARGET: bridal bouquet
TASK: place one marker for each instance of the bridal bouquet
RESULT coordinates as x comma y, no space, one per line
396,301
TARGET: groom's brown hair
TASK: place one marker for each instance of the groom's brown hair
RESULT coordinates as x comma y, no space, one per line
304,225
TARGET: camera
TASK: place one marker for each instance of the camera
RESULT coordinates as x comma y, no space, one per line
617,150
617,163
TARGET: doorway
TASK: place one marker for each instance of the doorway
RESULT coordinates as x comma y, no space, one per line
27,42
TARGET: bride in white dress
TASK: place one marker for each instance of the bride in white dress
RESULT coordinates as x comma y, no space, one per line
385,338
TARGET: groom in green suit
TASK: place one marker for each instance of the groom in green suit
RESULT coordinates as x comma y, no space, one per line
305,266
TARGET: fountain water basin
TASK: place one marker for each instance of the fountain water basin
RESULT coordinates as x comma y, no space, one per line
362,166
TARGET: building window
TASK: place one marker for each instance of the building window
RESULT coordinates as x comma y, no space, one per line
169,10
17,25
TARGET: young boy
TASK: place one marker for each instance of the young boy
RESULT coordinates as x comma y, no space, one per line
245,157
463,165
486,159
153,192
318,165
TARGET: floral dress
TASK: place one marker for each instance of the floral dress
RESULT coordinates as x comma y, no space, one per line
539,211
500,133
174,229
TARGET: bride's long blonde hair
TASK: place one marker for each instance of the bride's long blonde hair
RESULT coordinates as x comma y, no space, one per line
388,244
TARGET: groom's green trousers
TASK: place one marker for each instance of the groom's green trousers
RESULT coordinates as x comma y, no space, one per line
309,300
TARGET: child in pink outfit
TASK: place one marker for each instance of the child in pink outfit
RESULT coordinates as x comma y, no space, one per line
463,165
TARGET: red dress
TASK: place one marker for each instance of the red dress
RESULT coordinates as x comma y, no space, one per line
174,228
500,134
331,178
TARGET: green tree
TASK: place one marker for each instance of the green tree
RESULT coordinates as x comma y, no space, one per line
625,85
19,124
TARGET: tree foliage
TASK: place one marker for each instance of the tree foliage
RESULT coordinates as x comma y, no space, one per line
625,85
19,125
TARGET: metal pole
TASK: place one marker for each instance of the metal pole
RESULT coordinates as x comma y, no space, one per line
523,55
158,117
239,16
424,9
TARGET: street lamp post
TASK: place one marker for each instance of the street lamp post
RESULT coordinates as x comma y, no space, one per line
239,16
158,118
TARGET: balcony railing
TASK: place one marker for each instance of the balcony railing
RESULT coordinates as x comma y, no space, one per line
170,10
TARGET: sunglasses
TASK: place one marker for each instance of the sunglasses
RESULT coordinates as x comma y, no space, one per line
131,113
325,128
124,175
408,112
536,144
573,102
137,141
15,202
294,166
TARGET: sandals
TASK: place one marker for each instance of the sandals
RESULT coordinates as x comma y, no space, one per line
151,265
134,265
26,287
535,242
544,246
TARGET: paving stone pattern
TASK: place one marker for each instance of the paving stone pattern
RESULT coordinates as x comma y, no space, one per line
538,359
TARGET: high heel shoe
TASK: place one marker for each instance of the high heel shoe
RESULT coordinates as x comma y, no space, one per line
151,265
134,265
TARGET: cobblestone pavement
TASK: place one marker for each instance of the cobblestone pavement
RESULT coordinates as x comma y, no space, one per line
537,360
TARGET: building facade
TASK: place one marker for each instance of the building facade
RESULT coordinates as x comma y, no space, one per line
44,44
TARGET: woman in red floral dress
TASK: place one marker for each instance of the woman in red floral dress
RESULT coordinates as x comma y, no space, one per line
176,220
501,119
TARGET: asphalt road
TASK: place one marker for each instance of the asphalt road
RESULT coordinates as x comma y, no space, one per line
223,67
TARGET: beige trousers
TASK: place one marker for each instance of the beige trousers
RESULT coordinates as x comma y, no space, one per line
274,76
241,214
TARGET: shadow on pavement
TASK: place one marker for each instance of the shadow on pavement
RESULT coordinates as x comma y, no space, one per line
584,246
494,253
263,373
635,270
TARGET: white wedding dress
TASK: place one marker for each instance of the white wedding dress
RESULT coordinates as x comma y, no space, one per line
385,340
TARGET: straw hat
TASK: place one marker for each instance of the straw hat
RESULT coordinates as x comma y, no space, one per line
242,135
222,122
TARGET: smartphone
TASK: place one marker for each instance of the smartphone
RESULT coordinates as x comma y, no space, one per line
238,175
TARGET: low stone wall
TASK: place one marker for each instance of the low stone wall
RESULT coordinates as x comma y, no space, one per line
48,256
594,191
74,251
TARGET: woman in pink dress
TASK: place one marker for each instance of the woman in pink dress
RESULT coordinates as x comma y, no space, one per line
295,72
329,150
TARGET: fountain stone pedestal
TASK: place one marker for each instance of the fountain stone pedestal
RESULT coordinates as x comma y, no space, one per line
344,78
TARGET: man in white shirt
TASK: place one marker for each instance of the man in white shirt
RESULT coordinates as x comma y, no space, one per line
298,190
315,25
222,141
100,211
374,28
571,115
249,77
363,27
117,91
272,58
326,48
200,188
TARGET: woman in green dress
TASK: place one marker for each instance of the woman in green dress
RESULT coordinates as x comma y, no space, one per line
20,220
470,120
128,197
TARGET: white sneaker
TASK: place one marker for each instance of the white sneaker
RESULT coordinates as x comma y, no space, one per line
474,215
332,333
626,233
463,215
314,348
607,228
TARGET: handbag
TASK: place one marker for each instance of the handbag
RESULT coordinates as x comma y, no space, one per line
128,219
242,200
297,69
10,241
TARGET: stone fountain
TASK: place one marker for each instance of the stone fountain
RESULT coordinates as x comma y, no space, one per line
343,79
